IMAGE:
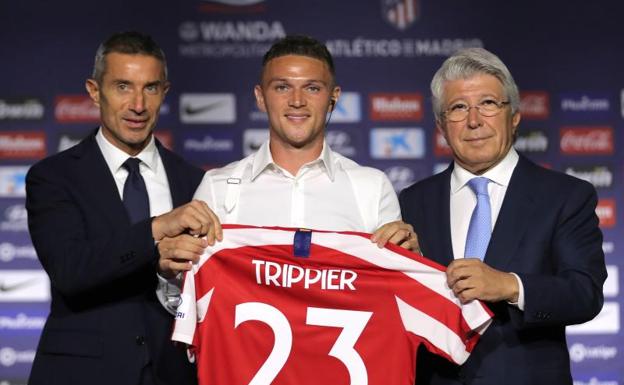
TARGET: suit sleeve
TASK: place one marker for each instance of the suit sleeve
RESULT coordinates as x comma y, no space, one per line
76,259
573,294
389,210
410,212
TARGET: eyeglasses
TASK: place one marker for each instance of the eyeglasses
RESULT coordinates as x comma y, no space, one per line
459,111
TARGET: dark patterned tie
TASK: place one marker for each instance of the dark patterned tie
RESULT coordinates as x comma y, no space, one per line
480,229
135,196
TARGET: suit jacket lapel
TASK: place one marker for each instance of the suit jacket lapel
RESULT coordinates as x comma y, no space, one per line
93,174
514,217
173,177
442,246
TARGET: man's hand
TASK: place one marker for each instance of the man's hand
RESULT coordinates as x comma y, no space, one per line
470,278
399,233
178,253
194,217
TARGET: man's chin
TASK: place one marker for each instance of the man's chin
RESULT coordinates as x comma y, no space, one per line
138,143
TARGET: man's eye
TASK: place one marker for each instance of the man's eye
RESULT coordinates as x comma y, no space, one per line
314,88
152,88
281,87
122,86
458,107
489,102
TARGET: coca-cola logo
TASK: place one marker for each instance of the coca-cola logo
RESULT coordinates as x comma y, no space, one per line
76,109
534,105
587,140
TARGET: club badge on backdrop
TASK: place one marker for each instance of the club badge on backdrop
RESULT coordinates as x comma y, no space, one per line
401,14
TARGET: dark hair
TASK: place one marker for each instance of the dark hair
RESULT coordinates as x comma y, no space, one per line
129,42
303,46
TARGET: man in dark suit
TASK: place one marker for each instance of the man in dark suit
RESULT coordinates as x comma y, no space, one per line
95,212
523,238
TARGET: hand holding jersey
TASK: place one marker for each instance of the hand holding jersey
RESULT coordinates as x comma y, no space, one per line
249,296
177,249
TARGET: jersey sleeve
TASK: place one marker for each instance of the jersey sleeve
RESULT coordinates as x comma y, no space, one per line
186,315
452,336
195,300
429,310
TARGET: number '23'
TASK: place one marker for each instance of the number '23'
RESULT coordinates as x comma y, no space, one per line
352,323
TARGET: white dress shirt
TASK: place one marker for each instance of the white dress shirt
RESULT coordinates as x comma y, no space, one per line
463,202
151,168
329,193
326,194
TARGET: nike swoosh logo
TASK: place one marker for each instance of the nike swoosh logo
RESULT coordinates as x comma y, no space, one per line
5,288
193,110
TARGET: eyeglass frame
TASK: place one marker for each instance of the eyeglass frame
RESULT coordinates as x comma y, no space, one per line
499,105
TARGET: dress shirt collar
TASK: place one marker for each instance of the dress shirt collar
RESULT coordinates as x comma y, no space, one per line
116,157
264,159
499,174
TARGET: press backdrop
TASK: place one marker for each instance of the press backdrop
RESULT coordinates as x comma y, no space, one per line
566,56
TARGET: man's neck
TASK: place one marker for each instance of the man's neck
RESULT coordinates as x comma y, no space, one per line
292,159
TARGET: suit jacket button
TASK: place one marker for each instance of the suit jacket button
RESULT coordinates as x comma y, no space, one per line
140,340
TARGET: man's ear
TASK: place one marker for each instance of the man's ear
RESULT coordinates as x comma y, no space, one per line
94,90
440,128
260,98
335,94
515,121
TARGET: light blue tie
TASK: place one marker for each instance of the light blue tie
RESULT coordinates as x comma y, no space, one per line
480,228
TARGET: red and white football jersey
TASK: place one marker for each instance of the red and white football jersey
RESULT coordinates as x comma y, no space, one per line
350,313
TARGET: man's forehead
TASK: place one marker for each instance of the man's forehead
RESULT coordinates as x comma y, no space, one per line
296,67
480,82
123,63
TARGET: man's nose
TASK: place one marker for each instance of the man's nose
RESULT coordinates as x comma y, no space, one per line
297,99
475,119
138,103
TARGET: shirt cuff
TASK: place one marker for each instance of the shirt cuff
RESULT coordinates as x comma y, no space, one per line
520,303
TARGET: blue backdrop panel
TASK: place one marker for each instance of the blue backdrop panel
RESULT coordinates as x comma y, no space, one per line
566,57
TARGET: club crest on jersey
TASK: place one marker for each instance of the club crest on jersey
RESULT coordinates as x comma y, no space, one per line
286,275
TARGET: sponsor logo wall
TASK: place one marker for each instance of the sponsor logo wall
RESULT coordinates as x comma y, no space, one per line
385,52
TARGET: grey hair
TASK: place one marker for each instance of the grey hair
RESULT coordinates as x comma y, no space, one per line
130,42
466,64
